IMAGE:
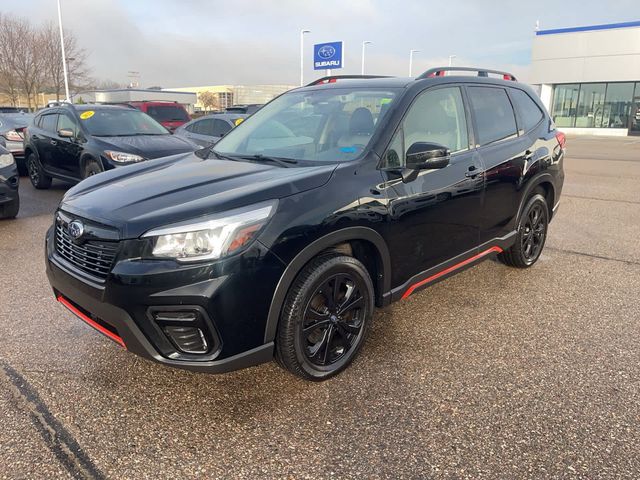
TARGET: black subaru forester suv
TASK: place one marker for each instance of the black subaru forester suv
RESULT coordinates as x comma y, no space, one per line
332,199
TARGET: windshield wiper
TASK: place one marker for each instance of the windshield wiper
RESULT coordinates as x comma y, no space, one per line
283,162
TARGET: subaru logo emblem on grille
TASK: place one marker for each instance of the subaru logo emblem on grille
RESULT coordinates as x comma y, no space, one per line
75,229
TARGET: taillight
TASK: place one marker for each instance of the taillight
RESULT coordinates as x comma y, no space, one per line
562,139
13,136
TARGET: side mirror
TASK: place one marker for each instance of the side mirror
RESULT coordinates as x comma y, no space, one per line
65,133
426,156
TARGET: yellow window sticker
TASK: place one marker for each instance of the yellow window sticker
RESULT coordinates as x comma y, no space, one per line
87,114
238,121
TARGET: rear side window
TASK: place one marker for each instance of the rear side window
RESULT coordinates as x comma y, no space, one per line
203,127
494,115
49,122
530,113
168,113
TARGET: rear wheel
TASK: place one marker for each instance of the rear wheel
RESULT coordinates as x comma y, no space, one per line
39,179
531,236
91,167
326,317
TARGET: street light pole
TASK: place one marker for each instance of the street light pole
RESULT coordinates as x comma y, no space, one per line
64,59
364,44
302,32
411,52
451,57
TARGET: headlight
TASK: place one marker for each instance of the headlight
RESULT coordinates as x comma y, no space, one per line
6,159
213,237
122,157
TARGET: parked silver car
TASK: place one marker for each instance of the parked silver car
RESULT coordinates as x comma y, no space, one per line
209,129
11,127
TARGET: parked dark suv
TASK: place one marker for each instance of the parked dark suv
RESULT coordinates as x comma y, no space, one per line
74,142
332,199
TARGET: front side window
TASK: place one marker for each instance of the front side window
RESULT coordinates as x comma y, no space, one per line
530,113
327,125
66,122
118,122
436,116
220,127
495,119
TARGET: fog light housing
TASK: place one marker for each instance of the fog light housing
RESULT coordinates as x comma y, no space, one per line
187,339
188,330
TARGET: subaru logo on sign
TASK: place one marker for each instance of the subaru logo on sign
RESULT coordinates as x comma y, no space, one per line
326,51
75,229
327,56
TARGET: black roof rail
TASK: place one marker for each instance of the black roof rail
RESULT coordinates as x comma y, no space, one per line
482,72
335,78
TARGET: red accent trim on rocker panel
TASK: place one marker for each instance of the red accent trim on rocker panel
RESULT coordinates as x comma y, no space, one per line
435,276
92,323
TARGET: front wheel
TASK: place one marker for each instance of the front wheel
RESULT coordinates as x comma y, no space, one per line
326,317
39,179
91,168
531,234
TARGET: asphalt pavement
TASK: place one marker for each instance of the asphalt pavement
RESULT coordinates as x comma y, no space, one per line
493,373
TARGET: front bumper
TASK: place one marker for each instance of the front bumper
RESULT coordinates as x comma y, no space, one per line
226,292
9,182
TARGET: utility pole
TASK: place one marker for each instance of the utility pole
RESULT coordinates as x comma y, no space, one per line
411,52
64,59
364,44
302,32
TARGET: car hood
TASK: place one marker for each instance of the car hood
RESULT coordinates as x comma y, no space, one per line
148,146
159,192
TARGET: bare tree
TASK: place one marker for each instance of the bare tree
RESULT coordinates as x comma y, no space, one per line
75,56
9,83
22,52
209,101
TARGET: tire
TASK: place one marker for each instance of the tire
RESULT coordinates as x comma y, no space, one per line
531,234
11,210
91,167
325,318
39,179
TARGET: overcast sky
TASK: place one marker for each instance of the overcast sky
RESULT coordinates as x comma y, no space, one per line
198,42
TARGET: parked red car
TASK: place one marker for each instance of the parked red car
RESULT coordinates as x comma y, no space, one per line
169,114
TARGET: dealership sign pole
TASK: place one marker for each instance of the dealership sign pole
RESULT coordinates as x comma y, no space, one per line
64,59
327,56
302,32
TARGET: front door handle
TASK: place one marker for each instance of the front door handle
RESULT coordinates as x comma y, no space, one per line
473,172
54,142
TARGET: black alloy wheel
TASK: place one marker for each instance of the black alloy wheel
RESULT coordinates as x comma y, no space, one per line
333,319
91,168
531,234
38,178
326,317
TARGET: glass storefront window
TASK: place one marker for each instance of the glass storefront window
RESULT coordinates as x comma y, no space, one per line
634,124
617,105
565,101
590,105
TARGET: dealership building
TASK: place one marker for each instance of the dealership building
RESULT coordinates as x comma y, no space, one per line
589,77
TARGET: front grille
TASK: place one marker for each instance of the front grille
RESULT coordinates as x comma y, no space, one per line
92,257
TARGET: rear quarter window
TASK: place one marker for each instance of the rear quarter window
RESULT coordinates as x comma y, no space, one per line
530,113
494,115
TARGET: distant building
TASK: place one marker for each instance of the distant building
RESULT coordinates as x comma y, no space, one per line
589,77
228,95
123,95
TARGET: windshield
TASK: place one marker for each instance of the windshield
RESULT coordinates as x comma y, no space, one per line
168,113
120,123
322,125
